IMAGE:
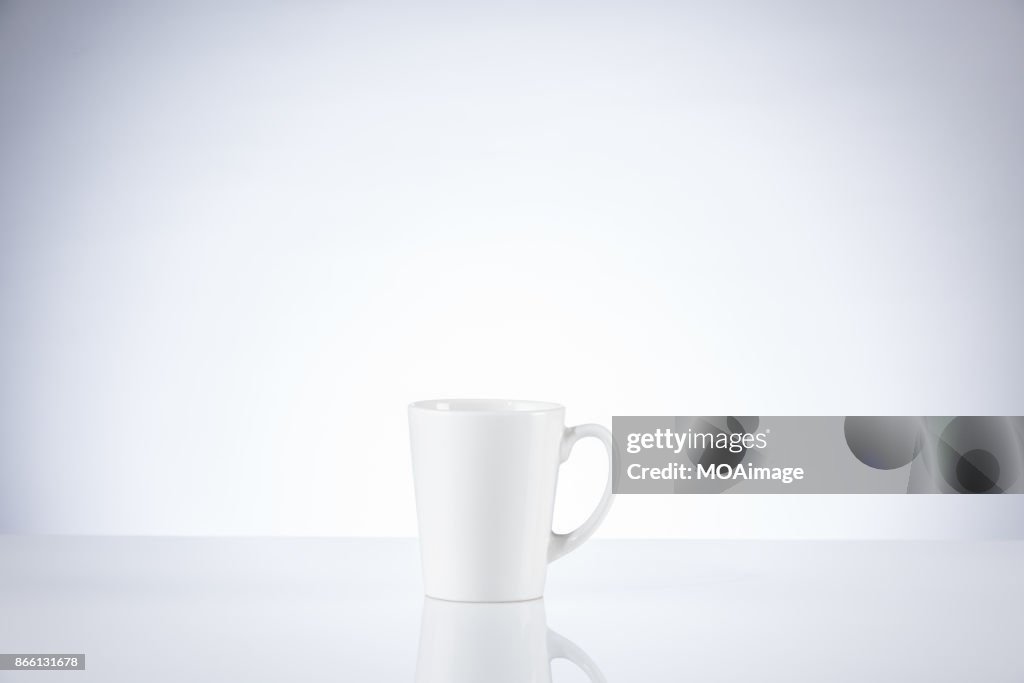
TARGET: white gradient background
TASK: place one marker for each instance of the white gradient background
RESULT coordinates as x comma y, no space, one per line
237,239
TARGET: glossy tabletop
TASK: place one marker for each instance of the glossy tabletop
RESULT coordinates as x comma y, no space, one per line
262,609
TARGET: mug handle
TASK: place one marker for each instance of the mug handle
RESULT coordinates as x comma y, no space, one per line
562,544
560,647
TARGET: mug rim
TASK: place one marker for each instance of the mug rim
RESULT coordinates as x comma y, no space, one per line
477,406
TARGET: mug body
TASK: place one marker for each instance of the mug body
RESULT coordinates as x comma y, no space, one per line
485,473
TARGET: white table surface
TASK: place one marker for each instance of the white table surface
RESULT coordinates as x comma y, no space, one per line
189,609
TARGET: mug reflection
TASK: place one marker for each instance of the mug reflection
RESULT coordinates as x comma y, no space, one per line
509,642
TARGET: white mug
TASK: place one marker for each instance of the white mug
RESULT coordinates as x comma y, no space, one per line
498,643
485,473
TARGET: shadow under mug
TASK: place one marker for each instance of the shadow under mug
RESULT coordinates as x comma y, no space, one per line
485,473
499,643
